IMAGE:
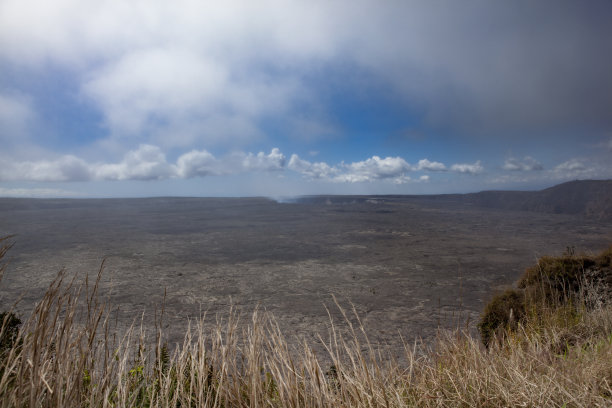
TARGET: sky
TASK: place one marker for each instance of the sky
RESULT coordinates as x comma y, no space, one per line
132,98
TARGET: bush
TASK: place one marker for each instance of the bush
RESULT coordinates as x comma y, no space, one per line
502,313
556,278
554,286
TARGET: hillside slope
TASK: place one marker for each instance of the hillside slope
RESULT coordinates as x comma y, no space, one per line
591,198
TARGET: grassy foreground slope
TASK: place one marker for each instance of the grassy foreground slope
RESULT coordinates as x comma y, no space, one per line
549,343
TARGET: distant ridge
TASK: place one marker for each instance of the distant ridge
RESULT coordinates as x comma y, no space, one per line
591,198
588,198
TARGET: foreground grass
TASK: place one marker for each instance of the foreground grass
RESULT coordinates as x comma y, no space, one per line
66,354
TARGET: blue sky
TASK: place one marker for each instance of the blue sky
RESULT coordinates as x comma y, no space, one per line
275,98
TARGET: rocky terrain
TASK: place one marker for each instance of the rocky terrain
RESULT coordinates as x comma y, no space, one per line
408,264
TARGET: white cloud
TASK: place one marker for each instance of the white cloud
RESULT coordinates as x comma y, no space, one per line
145,163
66,168
583,168
527,164
572,165
180,96
197,164
174,75
425,164
390,169
376,168
146,87
148,162
474,168
273,161
319,170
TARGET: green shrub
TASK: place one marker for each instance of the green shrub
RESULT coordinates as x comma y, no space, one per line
559,280
502,313
553,284
558,271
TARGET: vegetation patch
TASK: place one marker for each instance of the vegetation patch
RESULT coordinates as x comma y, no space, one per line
558,288
501,315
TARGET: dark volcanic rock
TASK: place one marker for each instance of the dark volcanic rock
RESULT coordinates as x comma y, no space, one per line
407,264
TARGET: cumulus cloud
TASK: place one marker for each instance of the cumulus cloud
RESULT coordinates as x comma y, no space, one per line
582,168
527,164
275,160
149,162
197,164
145,163
66,168
572,165
375,168
391,169
474,168
425,164
318,170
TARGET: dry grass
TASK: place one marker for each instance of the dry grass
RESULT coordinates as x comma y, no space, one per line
67,354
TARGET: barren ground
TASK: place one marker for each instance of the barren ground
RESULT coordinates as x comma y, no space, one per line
408,265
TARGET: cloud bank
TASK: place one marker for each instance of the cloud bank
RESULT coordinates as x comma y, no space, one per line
149,162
